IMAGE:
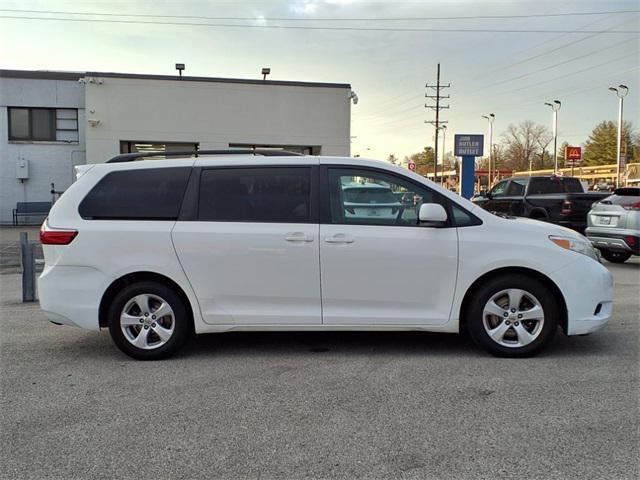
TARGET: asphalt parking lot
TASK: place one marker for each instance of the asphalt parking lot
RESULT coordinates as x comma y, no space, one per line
337,405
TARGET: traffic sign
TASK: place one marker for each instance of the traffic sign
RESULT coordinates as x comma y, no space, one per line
412,166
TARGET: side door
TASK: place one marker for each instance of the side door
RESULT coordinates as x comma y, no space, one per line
378,267
248,242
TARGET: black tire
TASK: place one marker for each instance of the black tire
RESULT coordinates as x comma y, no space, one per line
179,321
615,257
536,290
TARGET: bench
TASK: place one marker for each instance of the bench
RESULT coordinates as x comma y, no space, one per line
28,209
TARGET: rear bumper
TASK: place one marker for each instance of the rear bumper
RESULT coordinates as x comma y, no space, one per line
587,287
618,242
71,295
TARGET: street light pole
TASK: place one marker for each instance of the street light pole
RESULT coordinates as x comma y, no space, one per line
444,137
555,106
490,118
621,92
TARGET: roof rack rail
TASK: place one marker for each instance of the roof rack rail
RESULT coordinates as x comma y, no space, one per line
130,157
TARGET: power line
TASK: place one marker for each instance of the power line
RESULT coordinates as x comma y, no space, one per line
306,27
325,19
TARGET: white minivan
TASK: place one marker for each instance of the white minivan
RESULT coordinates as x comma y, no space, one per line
157,250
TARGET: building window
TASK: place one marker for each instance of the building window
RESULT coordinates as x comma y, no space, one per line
43,124
138,146
303,149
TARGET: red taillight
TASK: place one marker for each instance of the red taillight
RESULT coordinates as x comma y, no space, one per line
566,208
633,206
631,241
56,237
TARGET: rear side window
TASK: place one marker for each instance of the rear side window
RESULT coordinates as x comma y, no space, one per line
516,187
555,185
274,194
147,194
623,197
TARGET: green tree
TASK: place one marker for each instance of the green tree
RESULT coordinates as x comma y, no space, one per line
392,159
600,148
423,161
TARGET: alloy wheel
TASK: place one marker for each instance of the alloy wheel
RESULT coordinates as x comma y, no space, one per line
513,318
147,321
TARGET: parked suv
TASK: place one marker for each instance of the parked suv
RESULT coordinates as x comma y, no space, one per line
614,225
156,250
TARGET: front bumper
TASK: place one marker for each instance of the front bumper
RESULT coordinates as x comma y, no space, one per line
587,287
71,295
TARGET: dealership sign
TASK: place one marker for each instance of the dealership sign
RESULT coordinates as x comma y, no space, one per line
468,145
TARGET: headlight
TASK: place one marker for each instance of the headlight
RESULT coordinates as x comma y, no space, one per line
577,245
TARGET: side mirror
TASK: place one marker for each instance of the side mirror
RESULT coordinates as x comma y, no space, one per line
432,213
485,193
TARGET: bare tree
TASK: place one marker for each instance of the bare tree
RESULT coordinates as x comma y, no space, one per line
524,145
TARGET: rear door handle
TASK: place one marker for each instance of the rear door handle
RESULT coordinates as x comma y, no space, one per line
339,238
298,237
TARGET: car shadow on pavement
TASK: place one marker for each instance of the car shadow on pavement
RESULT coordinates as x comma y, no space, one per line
90,345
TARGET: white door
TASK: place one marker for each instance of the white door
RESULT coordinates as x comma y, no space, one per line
252,254
381,269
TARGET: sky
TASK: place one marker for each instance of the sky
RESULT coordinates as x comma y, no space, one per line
388,54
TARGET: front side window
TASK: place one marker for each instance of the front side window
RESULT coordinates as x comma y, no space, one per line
500,189
269,194
43,124
366,197
140,194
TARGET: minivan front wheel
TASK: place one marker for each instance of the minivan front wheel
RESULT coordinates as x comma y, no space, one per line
148,321
513,316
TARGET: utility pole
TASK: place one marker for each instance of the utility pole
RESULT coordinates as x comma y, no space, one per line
436,123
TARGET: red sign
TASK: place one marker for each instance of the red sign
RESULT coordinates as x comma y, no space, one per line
573,153
412,166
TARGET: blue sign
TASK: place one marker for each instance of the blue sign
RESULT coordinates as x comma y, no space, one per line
468,145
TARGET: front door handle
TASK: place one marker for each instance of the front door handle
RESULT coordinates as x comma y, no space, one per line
339,238
298,237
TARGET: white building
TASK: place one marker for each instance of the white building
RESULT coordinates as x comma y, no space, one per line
52,121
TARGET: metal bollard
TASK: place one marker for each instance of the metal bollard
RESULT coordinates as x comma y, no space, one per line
28,269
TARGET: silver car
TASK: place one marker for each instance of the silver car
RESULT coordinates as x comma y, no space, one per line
613,225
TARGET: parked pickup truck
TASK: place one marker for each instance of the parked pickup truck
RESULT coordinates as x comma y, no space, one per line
559,200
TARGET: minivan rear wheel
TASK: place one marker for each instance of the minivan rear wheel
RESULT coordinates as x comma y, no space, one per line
513,316
148,321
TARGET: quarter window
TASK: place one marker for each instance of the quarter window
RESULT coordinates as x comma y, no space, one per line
140,194
365,197
274,194
43,124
